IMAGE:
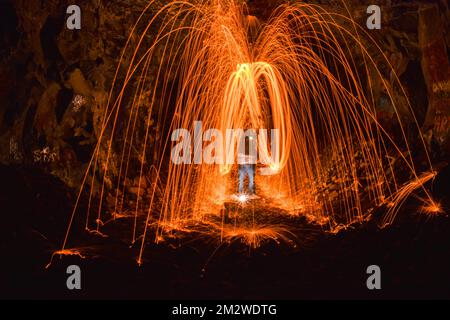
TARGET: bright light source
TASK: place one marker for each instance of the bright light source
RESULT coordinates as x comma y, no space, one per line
274,167
242,198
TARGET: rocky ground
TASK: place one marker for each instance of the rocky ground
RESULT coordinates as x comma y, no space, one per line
412,254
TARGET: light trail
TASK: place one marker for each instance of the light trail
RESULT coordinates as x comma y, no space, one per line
210,61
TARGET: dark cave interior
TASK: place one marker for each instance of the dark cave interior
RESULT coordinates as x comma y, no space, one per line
53,86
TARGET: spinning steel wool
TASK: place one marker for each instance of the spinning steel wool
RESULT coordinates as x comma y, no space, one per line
210,61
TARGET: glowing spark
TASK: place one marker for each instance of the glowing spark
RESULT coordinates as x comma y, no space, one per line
255,236
431,208
65,252
242,198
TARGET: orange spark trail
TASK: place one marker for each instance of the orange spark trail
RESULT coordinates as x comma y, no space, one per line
209,61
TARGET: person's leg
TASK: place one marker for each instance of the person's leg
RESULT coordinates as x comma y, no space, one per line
241,172
251,178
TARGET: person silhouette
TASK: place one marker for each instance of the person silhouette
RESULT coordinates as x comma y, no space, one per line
247,163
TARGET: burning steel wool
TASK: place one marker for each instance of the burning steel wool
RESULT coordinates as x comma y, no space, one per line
296,73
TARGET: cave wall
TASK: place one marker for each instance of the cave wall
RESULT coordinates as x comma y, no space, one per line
54,82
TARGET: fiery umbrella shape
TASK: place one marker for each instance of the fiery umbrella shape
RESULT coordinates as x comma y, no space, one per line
210,61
